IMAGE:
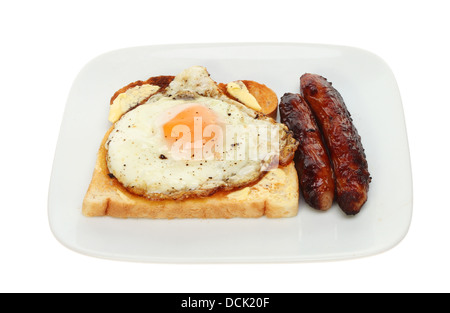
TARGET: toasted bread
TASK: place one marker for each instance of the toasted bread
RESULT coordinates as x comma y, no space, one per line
275,196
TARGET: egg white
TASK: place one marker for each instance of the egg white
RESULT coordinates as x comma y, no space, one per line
143,161
140,157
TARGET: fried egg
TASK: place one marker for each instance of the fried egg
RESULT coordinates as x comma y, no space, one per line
191,141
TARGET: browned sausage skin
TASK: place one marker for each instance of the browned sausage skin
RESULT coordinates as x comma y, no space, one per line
342,139
311,159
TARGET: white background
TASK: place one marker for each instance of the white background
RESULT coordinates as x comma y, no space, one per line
46,43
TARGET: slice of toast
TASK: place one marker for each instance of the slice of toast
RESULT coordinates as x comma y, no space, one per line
266,97
275,196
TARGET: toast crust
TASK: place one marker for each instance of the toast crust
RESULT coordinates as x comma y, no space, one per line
275,195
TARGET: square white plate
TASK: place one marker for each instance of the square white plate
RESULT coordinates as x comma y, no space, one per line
371,94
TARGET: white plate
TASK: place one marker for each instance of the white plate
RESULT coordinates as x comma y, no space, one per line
371,94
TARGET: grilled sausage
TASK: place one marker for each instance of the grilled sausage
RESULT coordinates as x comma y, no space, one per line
311,159
342,139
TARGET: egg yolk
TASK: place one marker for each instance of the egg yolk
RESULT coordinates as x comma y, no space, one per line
195,119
